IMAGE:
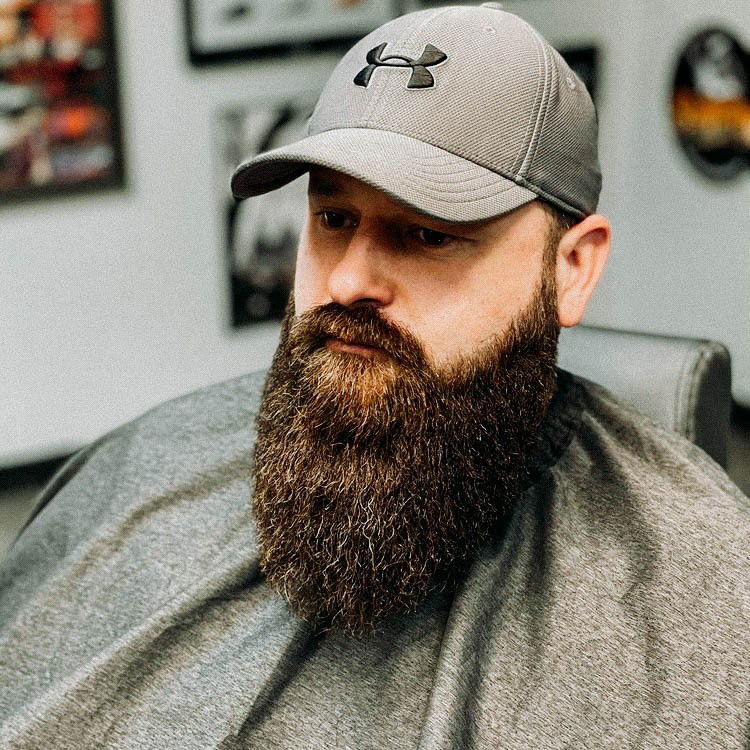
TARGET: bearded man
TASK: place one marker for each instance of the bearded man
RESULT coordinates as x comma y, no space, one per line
415,532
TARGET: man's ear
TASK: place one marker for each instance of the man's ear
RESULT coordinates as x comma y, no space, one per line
581,257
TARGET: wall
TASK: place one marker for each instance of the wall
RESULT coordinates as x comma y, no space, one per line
113,302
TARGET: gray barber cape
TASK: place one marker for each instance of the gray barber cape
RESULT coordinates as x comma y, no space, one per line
612,612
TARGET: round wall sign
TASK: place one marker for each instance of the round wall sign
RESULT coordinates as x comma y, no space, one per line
711,104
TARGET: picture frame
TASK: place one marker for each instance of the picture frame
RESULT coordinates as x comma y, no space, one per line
260,236
60,125
221,31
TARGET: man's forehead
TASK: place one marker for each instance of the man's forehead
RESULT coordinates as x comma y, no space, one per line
327,183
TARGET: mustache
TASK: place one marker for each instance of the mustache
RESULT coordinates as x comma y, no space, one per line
359,324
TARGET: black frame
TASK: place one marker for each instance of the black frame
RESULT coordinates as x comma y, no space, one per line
242,283
335,43
117,177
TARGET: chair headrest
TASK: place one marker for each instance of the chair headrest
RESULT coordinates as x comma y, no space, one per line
682,384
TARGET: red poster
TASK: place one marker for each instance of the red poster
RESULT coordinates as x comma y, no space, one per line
59,128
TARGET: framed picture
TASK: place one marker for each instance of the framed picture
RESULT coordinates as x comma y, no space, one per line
59,117
225,30
261,233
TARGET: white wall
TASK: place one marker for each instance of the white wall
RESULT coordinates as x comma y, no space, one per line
113,302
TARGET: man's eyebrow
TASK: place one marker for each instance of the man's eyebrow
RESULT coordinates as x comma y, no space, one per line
324,188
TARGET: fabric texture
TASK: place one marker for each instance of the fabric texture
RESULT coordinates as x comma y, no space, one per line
612,611
504,116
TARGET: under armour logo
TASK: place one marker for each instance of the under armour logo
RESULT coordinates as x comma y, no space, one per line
421,78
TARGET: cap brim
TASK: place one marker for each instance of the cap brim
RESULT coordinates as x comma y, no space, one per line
429,179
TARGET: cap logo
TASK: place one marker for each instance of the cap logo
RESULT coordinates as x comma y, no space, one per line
421,78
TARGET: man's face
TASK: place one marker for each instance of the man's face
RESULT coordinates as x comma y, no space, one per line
404,402
452,286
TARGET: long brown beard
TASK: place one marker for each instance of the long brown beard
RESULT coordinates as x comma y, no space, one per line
376,480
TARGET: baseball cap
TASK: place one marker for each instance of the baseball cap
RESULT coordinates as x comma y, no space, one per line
462,112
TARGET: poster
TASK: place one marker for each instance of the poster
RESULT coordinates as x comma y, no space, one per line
261,233
59,124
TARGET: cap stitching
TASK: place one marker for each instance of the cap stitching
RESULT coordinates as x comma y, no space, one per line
543,105
554,82
420,137
274,156
462,186
295,169
519,158
523,182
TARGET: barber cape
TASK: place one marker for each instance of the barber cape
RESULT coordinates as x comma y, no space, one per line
612,612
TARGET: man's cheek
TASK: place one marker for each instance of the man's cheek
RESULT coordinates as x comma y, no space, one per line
309,281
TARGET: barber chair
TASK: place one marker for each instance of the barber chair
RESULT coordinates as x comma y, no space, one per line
682,384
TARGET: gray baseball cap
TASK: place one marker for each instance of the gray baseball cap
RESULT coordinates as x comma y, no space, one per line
462,112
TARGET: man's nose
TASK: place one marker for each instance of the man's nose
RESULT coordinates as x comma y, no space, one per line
361,273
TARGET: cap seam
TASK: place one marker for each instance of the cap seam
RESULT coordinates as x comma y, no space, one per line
516,179
551,198
297,164
522,182
541,114
419,137
526,141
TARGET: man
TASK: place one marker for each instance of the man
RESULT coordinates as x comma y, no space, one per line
441,541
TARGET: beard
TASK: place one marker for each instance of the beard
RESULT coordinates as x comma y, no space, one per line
378,479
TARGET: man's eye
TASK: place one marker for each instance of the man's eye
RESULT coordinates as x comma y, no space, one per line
333,219
432,237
